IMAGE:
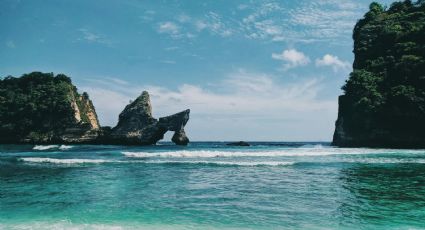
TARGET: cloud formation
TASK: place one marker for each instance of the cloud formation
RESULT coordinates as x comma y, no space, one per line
168,27
237,107
311,21
89,36
10,44
213,23
291,58
334,62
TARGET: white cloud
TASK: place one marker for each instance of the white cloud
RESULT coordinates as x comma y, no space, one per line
171,48
261,24
168,27
326,19
305,21
185,26
92,37
148,15
108,103
175,30
291,58
183,18
242,6
10,44
265,29
200,25
334,62
213,23
242,106
168,62
117,81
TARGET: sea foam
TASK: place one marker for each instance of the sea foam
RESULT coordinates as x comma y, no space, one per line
45,147
63,161
68,225
226,163
99,161
65,147
276,153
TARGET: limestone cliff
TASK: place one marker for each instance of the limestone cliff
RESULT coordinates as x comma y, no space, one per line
87,127
88,111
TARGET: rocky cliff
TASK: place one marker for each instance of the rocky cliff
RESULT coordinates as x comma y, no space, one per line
136,124
384,99
43,108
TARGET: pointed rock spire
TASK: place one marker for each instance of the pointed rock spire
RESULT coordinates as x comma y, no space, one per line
137,126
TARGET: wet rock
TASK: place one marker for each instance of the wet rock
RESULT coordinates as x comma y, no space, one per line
239,143
137,126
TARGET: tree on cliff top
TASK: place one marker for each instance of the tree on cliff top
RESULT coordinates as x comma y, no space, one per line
386,90
35,103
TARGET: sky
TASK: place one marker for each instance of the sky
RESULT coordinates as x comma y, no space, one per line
248,70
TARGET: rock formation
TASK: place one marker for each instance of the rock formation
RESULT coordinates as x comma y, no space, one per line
137,126
239,143
87,127
41,108
384,99
176,123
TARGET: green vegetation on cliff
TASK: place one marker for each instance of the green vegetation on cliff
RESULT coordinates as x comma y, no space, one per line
384,98
39,106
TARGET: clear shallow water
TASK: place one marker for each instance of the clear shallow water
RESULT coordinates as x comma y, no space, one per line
211,186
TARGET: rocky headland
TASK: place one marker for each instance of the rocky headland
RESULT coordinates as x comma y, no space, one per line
41,108
383,104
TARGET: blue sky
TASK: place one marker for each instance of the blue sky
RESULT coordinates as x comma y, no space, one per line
248,70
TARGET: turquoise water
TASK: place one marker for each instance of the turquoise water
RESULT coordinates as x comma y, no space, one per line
211,186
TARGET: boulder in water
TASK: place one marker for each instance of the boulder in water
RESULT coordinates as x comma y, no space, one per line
239,143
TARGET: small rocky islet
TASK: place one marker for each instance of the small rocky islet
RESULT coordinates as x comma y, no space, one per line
238,143
41,108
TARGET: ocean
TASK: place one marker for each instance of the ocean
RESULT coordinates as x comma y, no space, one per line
208,185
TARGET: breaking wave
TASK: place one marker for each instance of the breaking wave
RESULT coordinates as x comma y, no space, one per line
65,147
64,161
68,225
99,161
225,163
288,152
45,147
48,147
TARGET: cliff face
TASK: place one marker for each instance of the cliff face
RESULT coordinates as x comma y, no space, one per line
384,99
43,108
86,127
136,124
88,112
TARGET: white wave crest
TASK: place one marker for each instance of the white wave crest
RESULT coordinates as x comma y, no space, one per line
65,147
99,161
63,161
284,152
45,147
228,163
68,225
384,161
